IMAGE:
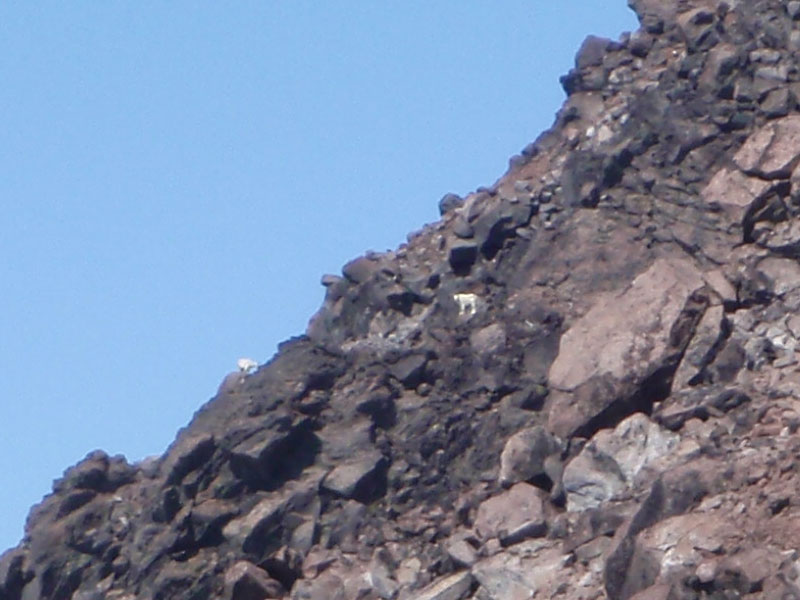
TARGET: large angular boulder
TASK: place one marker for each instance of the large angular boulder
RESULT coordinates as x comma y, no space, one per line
610,462
512,516
627,338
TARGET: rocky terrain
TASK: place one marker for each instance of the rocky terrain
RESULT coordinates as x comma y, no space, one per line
580,383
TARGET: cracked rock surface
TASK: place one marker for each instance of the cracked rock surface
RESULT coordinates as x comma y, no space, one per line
581,383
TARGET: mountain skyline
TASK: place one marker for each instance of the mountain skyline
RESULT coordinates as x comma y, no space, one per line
178,179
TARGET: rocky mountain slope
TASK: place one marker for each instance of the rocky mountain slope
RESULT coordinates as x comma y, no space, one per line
580,383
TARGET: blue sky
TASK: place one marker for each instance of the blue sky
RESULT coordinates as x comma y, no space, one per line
175,177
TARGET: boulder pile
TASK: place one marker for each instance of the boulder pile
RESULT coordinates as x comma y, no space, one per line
581,383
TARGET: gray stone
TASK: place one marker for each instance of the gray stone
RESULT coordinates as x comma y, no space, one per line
329,280
409,370
381,581
609,463
325,587
777,103
765,56
454,587
710,332
640,43
592,52
778,73
782,274
188,453
32,590
358,479
360,269
450,202
462,553
303,537
522,186
744,91
591,478
245,581
261,445
249,531
488,340
524,455
635,443
698,26
462,229
501,578
208,517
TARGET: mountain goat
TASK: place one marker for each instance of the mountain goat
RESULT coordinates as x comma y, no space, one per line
246,365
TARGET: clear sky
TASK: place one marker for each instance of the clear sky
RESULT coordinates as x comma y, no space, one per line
175,177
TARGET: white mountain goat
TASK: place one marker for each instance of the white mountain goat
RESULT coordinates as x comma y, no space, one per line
246,365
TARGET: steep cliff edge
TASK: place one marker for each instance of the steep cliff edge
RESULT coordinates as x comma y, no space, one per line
580,383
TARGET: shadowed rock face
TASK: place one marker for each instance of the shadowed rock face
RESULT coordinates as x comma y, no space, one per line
580,383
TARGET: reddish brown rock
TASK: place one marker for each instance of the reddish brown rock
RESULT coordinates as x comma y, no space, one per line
626,333
610,330
512,516
735,191
625,338
772,151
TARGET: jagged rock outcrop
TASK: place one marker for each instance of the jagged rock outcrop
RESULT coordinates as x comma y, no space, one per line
580,383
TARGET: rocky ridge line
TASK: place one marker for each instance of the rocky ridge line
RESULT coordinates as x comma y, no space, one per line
580,383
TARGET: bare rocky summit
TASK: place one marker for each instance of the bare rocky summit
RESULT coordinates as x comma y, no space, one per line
580,383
